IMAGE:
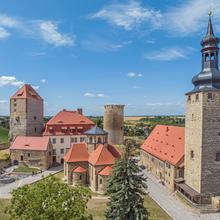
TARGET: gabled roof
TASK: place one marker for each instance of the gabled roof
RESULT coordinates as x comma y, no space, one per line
166,143
30,143
79,170
106,171
65,117
96,131
102,156
25,92
77,153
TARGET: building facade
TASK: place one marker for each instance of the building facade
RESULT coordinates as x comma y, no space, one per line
114,123
65,129
91,165
202,148
26,113
32,152
163,154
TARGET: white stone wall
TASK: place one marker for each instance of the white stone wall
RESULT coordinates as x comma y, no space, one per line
65,146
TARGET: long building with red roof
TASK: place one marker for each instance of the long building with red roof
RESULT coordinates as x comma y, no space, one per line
65,129
32,151
163,153
91,165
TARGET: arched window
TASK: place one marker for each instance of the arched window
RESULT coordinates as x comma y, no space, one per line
207,58
99,140
212,56
90,140
100,181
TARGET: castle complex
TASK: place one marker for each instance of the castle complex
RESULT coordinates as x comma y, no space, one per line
69,137
200,181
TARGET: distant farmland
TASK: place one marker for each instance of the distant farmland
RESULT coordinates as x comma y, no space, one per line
3,135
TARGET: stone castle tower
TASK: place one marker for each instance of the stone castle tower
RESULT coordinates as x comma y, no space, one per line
114,122
26,113
202,132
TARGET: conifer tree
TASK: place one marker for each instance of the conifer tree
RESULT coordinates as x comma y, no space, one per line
126,188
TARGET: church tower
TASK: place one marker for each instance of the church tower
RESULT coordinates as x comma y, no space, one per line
26,113
202,131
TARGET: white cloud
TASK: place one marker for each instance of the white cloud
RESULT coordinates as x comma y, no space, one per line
98,95
128,15
43,80
3,101
168,54
10,80
191,16
49,32
35,87
88,94
4,33
98,44
133,74
46,30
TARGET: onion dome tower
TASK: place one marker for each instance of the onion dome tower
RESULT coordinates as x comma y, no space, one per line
209,77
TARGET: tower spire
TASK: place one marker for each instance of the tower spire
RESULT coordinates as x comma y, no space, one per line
209,77
210,28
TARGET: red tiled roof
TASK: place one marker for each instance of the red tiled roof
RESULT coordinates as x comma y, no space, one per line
70,118
106,171
102,156
30,143
166,143
114,151
77,153
74,123
80,170
26,91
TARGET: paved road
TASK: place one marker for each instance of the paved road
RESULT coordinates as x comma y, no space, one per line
5,191
173,206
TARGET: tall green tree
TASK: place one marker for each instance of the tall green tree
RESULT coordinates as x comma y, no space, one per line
126,188
49,199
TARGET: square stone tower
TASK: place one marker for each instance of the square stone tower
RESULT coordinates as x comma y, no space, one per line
202,141
26,113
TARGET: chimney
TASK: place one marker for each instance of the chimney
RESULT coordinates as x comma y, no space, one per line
80,111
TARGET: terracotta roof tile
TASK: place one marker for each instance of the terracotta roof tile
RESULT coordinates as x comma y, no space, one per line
171,145
74,123
80,170
30,143
102,156
106,171
77,153
26,91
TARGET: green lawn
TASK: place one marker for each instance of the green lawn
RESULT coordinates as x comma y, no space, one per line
3,135
24,169
4,154
97,209
3,204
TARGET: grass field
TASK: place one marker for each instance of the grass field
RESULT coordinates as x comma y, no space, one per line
24,169
4,154
3,135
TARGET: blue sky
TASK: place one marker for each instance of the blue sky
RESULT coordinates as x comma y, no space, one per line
89,53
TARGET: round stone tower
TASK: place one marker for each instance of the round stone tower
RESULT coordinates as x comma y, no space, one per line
113,123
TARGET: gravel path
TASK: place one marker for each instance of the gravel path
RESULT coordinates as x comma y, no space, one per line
5,190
